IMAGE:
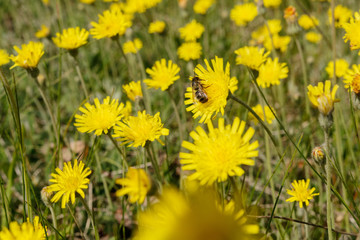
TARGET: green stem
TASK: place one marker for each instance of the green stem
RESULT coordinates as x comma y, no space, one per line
106,188
154,163
328,183
4,202
177,116
117,40
122,153
146,98
92,218
77,67
53,217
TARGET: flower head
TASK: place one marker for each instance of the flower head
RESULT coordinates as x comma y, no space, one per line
279,42
127,110
191,31
264,113
342,15
271,3
216,83
67,182
220,153
162,76
201,6
341,67
322,98
243,14
262,33
99,117
290,14
136,185
307,22
71,38
138,130
300,192
156,27
139,6
353,32
313,37
133,90
352,79
132,46
189,51
271,72
28,56
4,57
43,32
25,231
251,57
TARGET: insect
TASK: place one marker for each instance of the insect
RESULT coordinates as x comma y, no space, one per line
198,90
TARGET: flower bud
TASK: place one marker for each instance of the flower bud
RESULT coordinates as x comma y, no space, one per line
46,196
318,155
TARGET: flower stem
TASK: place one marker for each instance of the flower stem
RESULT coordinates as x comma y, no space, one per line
92,218
177,116
77,67
154,161
117,40
53,217
119,150
106,188
328,183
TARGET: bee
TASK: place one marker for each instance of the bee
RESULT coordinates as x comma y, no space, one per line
198,90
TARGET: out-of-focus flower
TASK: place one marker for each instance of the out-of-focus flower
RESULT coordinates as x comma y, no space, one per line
43,32
271,72
71,38
182,3
307,22
133,90
162,76
243,14
156,27
28,56
271,3
300,192
290,14
353,32
318,155
139,6
352,79
262,33
251,57
313,37
87,1
264,113
341,68
201,6
189,51
191,31
322,98
342,15
27,230
46,2
4,57
280,42
132,46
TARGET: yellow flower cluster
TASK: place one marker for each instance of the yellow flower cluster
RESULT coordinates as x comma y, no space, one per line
132,46
243,14
342,67
190,50
307,22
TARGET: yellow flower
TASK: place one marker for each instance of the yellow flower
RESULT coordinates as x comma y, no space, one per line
46,2
271,3
220,153
156,27
353,32
25,231
262,33
67,182
191,31
300,192
136,185
269,116
243,14
189,51
138,130
87,1
28,56
132,46
201,6
4,57
133,90
307,22
322,98
352,79
127,110
162,76
99,117
216,84
251,57
139,6
112,23
313,37
43,32
280,42
342,15
71,38
341,68
271,72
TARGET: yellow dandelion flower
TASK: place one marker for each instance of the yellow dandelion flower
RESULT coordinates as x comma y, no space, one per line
28,56
4,57
189,51
25,231
251,57
99,117
136,185
313,37
262,33
132,46
342,15
216,83
307,22
322,98
112,23
67,182
352,79
271,3
162,76
46,2
43,32
264,113
87,1
300,192
157,27
138,130
271,72
201,6
220,153
243,14
139,6
341,68
133,90
353,32
191,31
71,38
280,42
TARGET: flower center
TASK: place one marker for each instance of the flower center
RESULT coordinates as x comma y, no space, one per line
355,84
326,105
72,183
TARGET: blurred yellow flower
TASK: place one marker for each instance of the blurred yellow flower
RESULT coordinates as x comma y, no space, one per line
68,182
191,31
219,154
271,3
322,98
4,57
138,130
259,110
342,15
132,46
28,56
280,42
251,57
46,2
162,76
25,231
352,79
156,27
353,32
133,90
290,14
243,14
201,6
262,33
112,23
307,22
313,37
189,51
99,117
136,185
87,1
43,32
71,38
139,6
216,83
300,192
271,72
341,68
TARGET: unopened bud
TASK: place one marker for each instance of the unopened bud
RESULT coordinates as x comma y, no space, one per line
46,196
318,155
